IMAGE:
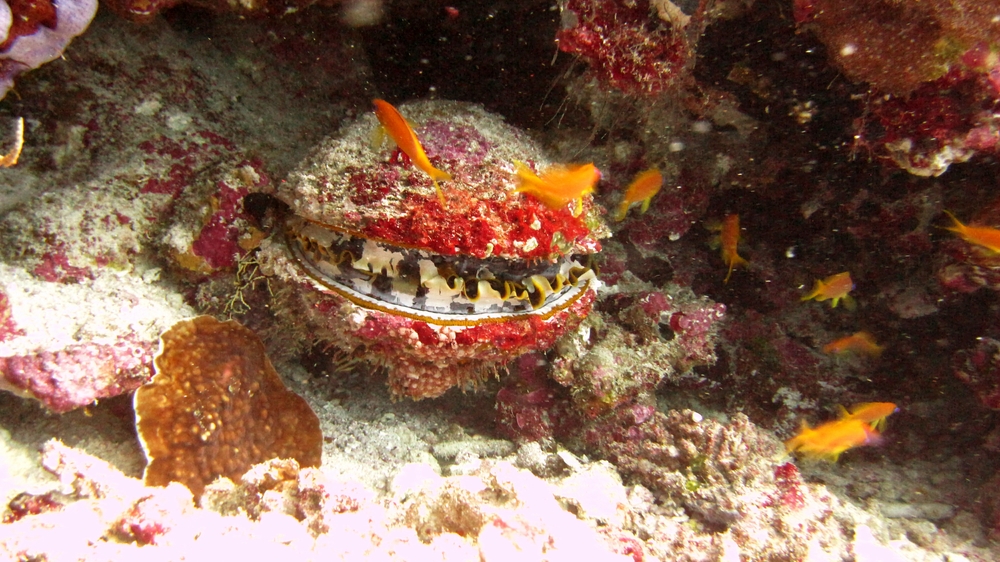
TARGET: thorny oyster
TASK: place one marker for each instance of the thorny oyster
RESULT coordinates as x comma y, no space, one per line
438,295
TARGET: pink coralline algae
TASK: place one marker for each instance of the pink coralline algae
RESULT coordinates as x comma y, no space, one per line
213,231
531,406
34,33
99,371
725,477
56,268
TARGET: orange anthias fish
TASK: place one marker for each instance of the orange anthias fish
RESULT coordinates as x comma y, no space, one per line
643,188
873,413
558,185
833,288
729,239
406,140
829,440
984,236
861,343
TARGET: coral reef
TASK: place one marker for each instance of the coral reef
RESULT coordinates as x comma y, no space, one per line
933,72
630,399
216,406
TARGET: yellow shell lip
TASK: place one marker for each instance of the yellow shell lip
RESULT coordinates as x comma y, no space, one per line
448,290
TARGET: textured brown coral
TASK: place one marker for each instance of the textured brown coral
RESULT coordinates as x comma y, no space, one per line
216,407
897,45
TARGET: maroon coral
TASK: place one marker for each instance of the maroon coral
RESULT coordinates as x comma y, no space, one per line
895,46
216,407
627,46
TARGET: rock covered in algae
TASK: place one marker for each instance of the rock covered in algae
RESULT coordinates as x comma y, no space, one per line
216,407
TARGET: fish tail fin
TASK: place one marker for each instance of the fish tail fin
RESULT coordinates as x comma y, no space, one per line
526,177
734,261
622,211
440,194
843,413
959,226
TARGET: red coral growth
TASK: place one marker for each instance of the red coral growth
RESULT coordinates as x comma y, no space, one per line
627,46
527,230
216,407
80,374
25,504
786,477
696,325
895,46
888,44
670,216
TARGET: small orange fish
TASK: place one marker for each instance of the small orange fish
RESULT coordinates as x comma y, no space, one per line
643,188
861,343
729,239
984,236
833,288
829,440
558,185
406,140
873,413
